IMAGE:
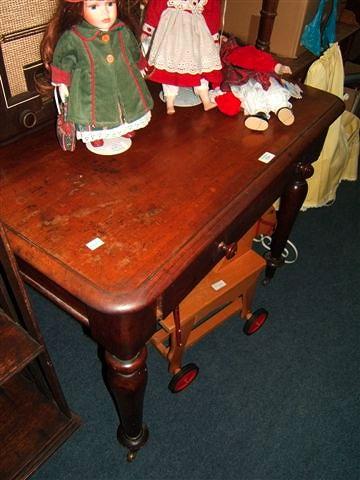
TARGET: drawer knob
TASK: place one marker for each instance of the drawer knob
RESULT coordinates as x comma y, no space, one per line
229,250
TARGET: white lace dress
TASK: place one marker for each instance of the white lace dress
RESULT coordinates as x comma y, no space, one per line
254,98
182,42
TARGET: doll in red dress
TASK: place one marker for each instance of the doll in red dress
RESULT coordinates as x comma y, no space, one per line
182,39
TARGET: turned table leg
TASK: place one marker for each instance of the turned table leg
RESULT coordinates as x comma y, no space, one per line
127,381
290,203
268,13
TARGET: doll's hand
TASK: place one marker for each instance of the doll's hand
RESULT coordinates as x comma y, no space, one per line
282,69
216,38
146,37
63,92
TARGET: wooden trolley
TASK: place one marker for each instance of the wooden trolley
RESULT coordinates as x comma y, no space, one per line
228,289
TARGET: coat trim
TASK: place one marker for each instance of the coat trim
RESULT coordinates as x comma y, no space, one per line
123,49
92,76
60,76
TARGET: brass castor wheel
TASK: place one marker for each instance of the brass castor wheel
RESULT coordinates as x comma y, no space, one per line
133,444
131,455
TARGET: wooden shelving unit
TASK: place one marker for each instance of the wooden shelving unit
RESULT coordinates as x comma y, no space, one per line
34,416
17,348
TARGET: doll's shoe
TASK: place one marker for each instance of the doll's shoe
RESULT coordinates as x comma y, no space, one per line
130,134
97,143
257,122
285,116
111,146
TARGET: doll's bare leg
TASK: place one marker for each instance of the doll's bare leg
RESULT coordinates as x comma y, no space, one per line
170,107
285,116
170,92
203,91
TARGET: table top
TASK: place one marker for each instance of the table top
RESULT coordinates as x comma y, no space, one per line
156,207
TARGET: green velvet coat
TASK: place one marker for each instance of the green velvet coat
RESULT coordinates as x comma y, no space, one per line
106,88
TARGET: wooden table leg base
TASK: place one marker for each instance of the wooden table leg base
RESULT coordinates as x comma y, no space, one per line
271,265
133,444
127,381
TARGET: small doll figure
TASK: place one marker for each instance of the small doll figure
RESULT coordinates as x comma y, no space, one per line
95,63
182,38
253,76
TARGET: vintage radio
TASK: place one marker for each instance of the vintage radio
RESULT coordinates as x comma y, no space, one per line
22,109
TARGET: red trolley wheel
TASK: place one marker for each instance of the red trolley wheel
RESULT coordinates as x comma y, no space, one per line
183,378
256,321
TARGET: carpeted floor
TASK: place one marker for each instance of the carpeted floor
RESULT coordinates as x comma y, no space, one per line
280,405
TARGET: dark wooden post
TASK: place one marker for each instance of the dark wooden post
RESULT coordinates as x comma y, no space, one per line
267,16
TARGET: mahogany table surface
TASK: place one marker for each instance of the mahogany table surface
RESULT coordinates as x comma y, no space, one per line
189,181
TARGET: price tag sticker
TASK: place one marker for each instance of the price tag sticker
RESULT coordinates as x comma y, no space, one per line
266,157
94,244
218,285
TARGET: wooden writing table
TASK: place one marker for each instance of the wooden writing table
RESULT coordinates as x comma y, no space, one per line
190,182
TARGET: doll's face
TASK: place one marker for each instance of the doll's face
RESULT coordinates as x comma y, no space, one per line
100,13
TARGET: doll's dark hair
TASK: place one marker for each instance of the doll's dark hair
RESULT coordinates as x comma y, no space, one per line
66,16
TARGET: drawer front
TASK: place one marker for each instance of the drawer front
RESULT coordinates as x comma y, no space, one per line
224,246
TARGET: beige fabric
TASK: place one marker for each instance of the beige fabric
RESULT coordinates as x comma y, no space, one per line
340,154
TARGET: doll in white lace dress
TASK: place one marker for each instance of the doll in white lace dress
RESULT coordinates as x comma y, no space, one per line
255,78
182,39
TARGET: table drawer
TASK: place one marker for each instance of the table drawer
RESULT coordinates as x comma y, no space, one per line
224,248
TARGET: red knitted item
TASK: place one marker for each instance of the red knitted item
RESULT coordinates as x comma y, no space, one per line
251,58
228,104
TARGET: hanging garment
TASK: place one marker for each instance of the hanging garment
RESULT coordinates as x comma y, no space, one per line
328,35
314,38
338,159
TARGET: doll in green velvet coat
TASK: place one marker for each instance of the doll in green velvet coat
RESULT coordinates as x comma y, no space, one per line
95,63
